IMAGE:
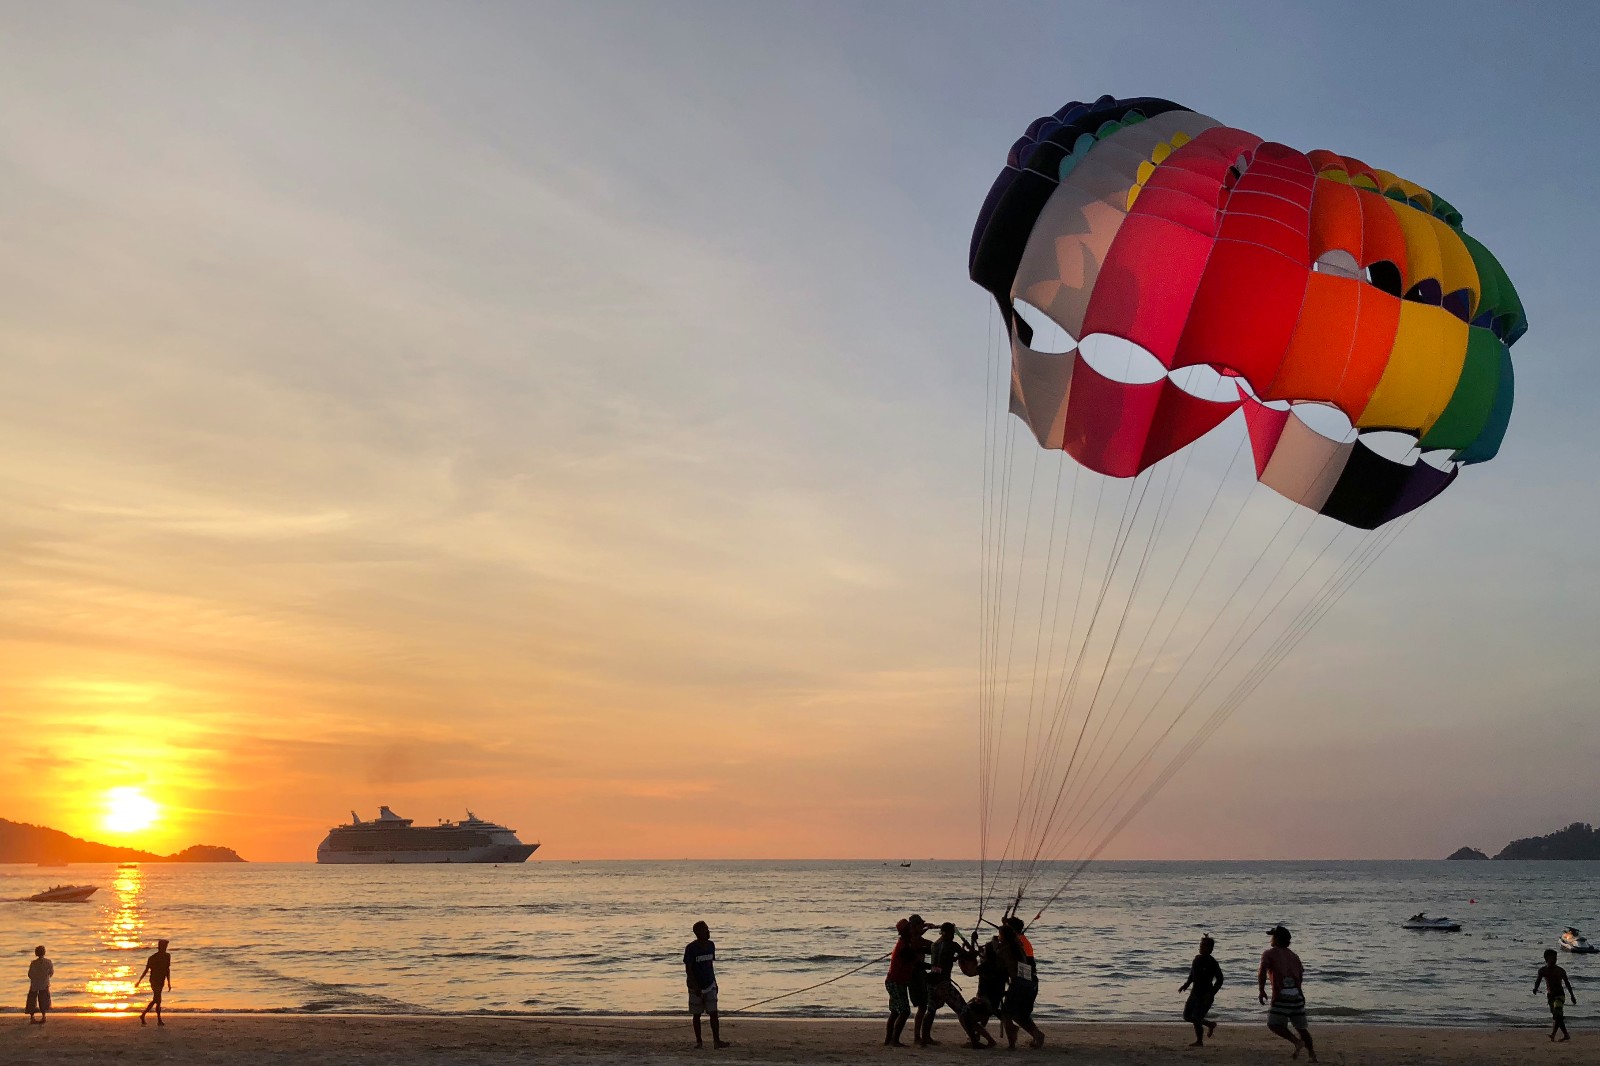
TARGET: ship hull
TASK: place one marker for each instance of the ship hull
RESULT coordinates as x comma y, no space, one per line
382,857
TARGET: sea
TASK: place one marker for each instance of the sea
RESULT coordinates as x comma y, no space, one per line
794,939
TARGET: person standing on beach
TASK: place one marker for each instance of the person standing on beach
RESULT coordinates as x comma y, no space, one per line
1283,968
699,965
40,970
1017,1010
903,962
921,947
159,969
942,962
1553,977
1206,978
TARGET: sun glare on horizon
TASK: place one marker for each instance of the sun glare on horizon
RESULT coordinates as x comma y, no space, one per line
129,810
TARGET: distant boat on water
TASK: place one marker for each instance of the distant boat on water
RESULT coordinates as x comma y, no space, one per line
390,838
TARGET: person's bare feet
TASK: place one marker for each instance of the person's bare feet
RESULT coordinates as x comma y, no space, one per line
1211,1028
1197,1043
1038,1041
721,1044
1298,1047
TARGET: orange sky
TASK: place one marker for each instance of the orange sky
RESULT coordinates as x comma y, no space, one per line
400,418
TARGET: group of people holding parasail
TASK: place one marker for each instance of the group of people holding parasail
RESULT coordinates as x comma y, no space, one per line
922,975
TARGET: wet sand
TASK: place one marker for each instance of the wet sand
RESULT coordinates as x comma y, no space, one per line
305,1040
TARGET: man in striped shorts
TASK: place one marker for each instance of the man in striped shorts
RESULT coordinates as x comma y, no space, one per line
1282,967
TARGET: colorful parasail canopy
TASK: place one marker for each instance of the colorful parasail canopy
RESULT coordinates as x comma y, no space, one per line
1302,278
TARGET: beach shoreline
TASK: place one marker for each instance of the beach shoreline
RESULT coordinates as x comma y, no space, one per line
296,1039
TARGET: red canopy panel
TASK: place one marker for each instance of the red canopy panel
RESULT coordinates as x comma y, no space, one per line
1245,312
1147,284
1118,429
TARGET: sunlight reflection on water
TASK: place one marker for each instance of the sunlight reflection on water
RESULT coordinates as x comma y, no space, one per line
110,986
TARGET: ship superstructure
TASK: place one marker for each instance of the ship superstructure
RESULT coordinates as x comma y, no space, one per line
390,838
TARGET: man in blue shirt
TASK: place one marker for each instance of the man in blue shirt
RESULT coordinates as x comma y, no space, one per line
699,966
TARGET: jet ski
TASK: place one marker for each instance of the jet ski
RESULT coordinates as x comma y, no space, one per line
1577,943
64,894
1421,921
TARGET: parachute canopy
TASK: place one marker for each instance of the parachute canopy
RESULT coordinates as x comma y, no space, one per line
1157,273
1302,278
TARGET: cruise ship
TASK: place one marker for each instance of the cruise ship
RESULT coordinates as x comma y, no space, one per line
391,838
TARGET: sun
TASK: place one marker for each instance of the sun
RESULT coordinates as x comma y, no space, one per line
128,810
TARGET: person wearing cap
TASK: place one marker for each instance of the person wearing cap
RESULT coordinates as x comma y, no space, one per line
159,967
699,966
1288,1007
942,962
903,962
918,989
1205,976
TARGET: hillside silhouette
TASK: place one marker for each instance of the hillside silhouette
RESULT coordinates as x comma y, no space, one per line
21,842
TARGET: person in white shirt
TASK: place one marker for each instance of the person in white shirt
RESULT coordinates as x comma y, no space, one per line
40,970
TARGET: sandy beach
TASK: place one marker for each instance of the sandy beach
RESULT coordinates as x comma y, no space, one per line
306,1040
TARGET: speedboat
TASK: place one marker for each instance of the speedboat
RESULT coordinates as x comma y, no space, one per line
1421,921
64,894
1577,943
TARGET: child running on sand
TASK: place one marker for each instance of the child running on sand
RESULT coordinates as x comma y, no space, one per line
1206,977
1553,978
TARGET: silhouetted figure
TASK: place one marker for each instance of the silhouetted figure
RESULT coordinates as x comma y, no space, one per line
903,961
1022,990
992,976
699,965
922,946
942,962
40,970
1283,968
1205,976
159,968
1553,977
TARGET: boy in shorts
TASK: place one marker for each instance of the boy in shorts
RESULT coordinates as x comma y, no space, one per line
1553,977
699,965
40,970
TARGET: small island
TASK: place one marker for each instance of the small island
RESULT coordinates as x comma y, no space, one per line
1577,841
21,842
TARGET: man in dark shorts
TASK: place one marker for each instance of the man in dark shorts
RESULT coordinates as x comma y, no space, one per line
1206,978
1023,991
918,989
159,968
1288,1007
699,966
40,970
942,962
1554,977
903,961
